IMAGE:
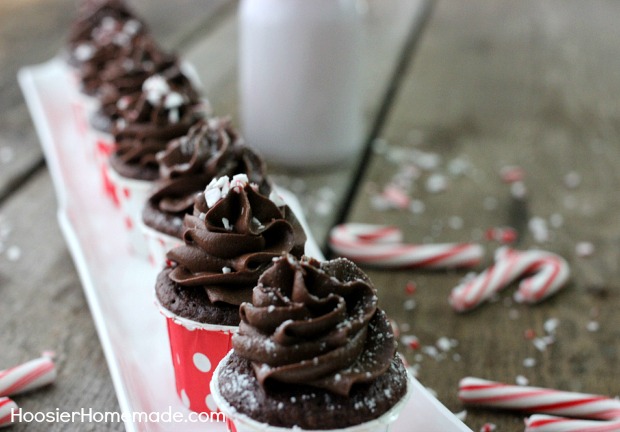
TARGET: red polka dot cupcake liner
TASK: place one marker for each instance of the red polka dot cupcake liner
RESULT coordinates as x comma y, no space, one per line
196,349
129,195
158,245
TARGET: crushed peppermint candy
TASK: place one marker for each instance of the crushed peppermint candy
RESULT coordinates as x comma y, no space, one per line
226,270
512,174
584,249
155,87
219,187
521,380
488,427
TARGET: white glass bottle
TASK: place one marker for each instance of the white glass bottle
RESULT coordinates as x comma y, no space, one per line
299,80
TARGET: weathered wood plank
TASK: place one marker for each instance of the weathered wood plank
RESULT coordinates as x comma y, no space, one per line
387,26
43,308
35,31
497,84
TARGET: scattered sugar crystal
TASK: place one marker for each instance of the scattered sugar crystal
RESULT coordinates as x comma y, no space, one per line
444,344
518,190
572,180
584,249
556,220
551,325
529,362
593,326
539,344
436,183
417,206
490,203
458,167
462,415
521,380
409,304
538,228
455,222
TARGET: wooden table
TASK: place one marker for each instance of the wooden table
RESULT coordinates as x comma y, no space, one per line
473,87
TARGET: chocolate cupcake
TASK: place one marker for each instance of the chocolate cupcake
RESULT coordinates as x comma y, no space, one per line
313,352
167,108
232,236
212,148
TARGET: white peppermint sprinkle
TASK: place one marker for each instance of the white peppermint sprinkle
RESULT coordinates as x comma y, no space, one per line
572,180
226,270
174,100
276,199
521,380
593,326
155,88
584,249
409,304
551,325
174,116
84,52
462,415
132,27
436,183
212,196
444,344
202,216
540,344
538,228
518,190
529,362
226,224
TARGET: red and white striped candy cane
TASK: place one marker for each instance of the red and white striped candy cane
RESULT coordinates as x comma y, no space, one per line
490,394
28,376
382,246
546,423
7,406
549,272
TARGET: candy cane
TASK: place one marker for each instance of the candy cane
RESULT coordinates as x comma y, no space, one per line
7,406
382,246
480,392
546,423
550,273
28,376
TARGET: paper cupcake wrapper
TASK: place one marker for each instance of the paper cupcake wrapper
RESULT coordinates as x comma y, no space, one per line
158,244
237,422
130,195
196,350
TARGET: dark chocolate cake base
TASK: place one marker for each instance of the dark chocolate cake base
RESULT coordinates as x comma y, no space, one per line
167,223
193,303
308,407
135,172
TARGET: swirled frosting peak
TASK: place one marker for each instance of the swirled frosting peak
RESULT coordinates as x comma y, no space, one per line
315,324
232,237
167,108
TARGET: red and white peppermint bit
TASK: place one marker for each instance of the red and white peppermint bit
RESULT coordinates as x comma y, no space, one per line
490,394
28,376
7,406
512,173
549,272
546,423
502,234
382,246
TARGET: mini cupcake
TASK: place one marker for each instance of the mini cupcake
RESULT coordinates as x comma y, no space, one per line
212,148
121,80
232,237
102,32
313,352
167,108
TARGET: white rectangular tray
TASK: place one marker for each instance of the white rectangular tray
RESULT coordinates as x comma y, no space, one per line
120,287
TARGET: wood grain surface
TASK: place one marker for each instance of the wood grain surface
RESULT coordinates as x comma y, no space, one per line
498,84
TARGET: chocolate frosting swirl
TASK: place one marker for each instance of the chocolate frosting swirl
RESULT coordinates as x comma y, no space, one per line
230,241
93,16
124,75
315,324
167,108
212,148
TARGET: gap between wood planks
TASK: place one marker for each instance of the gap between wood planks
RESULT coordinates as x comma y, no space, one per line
405,58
